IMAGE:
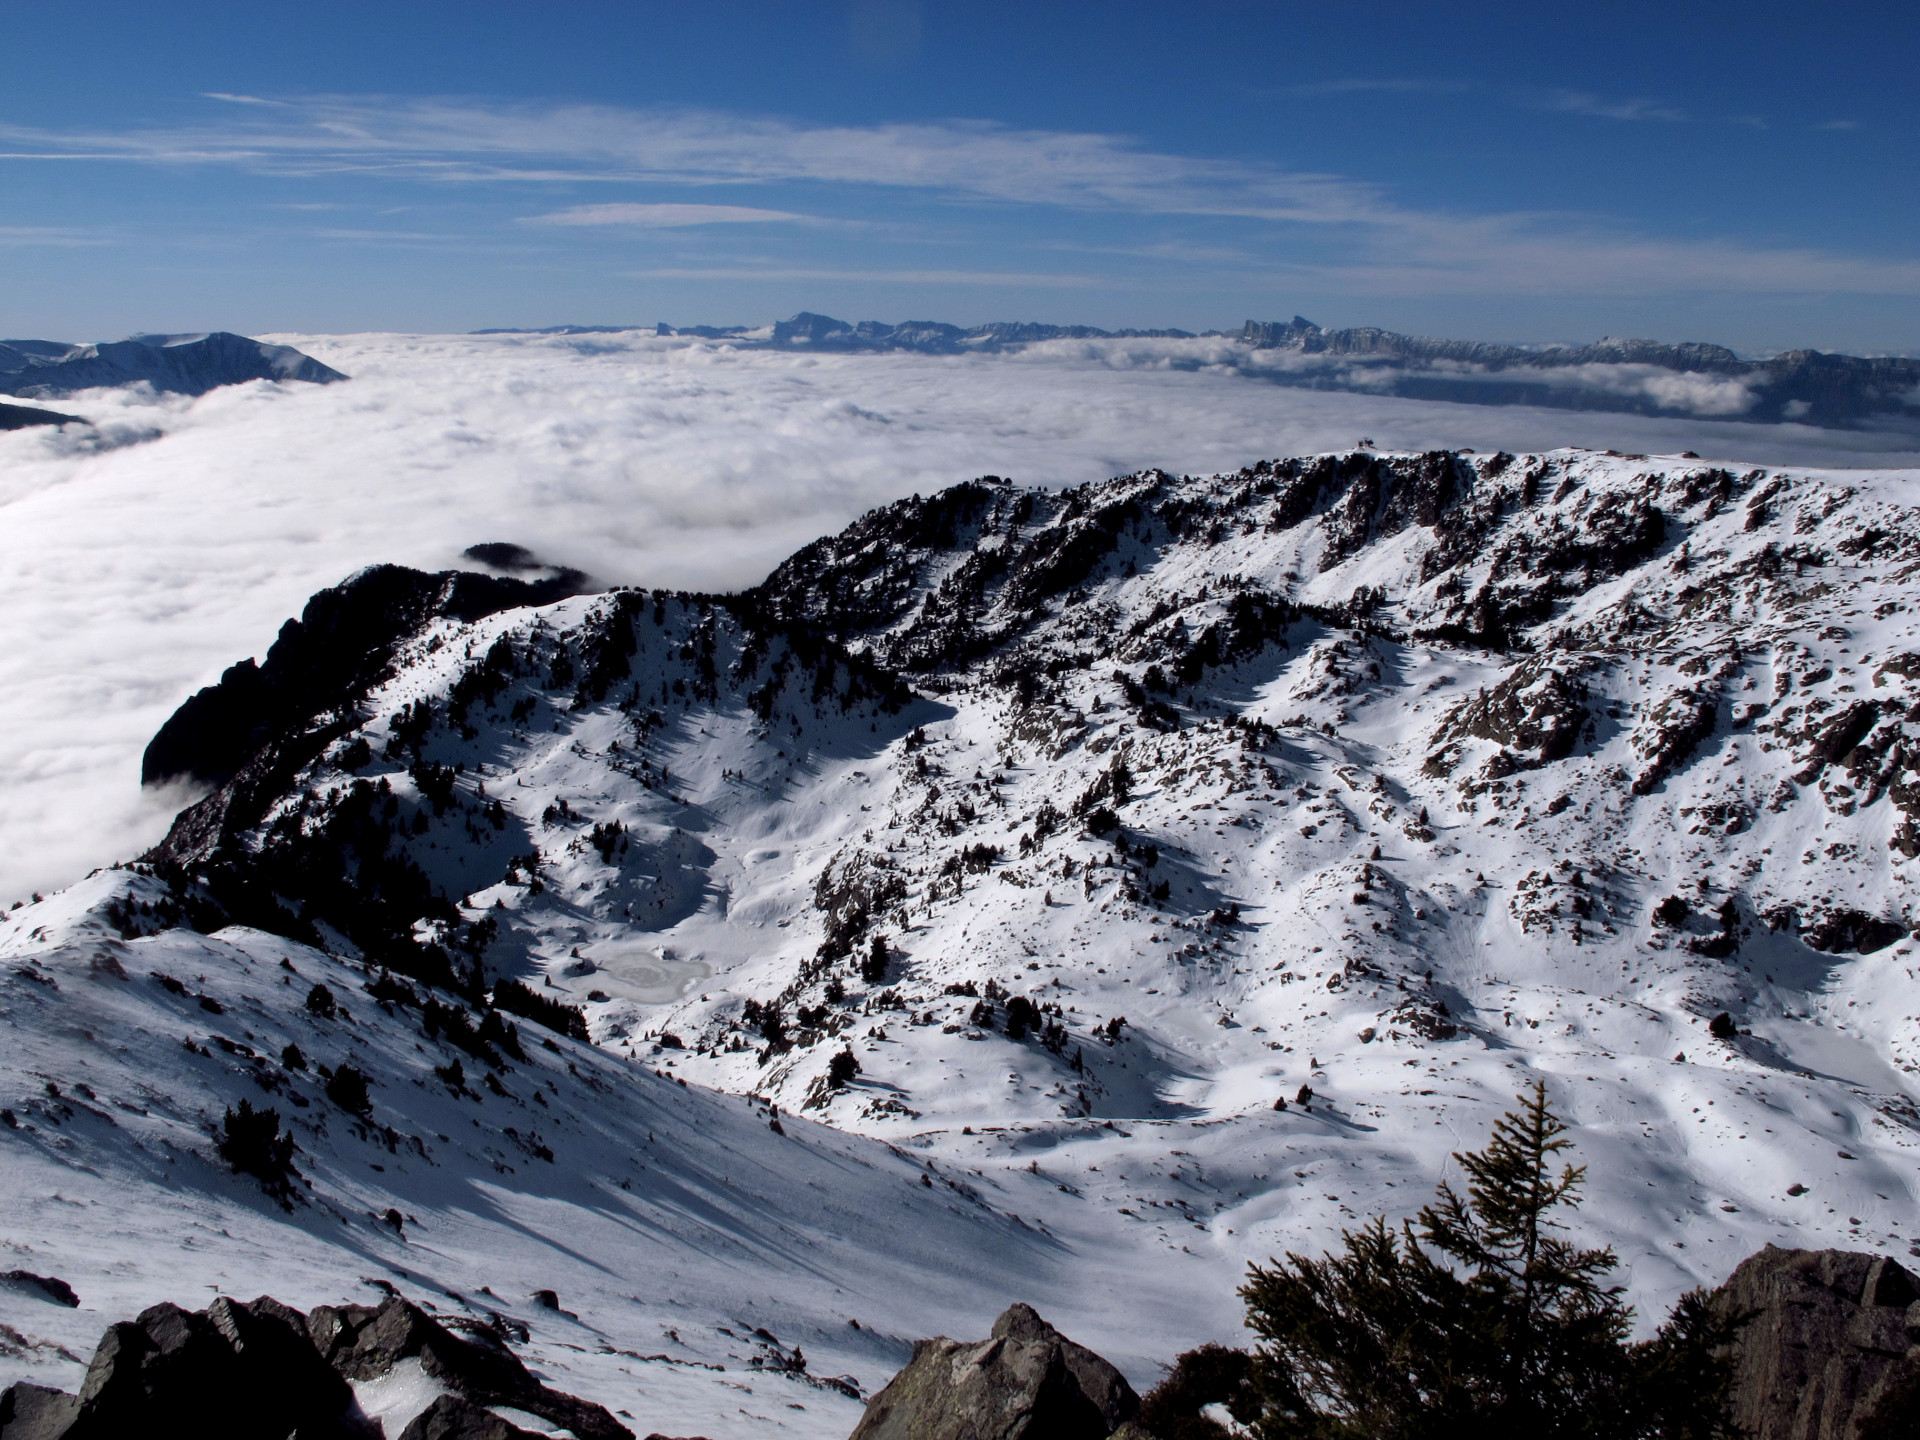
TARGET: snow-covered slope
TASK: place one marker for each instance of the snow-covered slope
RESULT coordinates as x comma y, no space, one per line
719,1270
1090,825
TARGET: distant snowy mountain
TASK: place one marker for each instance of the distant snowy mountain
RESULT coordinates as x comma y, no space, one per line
1642,377
1184,865
177,364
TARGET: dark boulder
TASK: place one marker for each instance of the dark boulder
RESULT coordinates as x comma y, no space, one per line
452,1418
33,1412
47,1287
1026,1381
362,1342
234,1369
1827,1353
264,1371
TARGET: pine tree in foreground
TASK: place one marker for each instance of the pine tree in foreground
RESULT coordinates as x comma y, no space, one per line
1479,1320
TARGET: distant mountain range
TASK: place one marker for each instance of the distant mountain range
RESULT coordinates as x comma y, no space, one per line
174,364
1636,376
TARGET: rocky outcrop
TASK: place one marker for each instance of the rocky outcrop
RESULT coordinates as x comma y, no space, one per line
1026,1381
1535,715
363,1342
261,1369
1672,731
1831,1350
341,644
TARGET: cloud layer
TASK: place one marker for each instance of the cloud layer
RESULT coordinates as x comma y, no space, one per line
142,560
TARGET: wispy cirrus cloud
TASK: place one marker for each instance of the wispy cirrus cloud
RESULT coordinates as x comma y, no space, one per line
1578,102
51,235
663,216
1313,228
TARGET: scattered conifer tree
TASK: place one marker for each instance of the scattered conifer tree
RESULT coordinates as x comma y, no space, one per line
1479,1319
1210,1375
251,1142
347,1088
841,1069
873,968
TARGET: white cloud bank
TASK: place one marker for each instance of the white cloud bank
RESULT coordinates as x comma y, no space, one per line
140,563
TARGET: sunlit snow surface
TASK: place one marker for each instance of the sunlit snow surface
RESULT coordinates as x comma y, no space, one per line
141,560
670,1214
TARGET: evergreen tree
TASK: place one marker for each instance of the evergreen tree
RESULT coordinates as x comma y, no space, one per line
1479,1319
252,1144
873,968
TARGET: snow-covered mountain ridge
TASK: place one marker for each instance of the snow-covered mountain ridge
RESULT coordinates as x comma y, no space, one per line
175,364
1645,377
1089,825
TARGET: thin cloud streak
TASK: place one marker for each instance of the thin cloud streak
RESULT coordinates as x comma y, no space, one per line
1576,102
663,217
1397,248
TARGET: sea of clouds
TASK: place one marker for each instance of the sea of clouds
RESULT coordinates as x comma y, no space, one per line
141,558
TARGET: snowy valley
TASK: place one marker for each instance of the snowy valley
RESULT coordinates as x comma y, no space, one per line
1055,895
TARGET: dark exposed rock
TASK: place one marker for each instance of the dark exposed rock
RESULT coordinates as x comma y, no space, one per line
1534,715
233,1369
362,1342
1672,730
261,1369
342,643
1827,1354
451,1417
33,1412
1839,931
48,1287
1026,1381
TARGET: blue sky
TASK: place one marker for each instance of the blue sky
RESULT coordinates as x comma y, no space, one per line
1739,173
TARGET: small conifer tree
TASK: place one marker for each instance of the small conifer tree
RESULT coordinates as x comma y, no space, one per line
251,1143
1480,1319
873,968
347,1088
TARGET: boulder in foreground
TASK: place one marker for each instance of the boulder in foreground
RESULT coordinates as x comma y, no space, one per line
1026,1381
1832,1348
261,1370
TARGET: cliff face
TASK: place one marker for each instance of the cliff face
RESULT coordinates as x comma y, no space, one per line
1832,1351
